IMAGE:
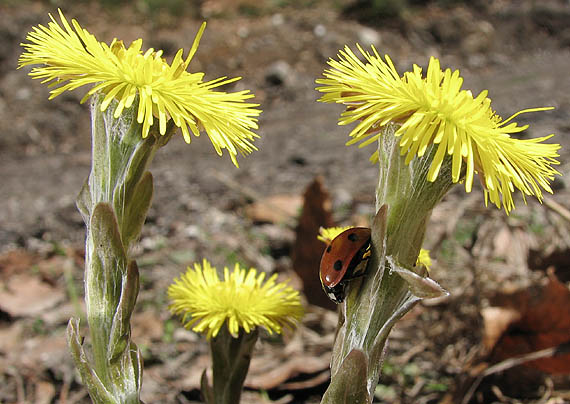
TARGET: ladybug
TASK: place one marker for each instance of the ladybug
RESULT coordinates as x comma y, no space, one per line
344,259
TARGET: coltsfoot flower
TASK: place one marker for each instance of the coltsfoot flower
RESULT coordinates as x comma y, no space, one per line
435,110
424,259
72,58
241,300
328,234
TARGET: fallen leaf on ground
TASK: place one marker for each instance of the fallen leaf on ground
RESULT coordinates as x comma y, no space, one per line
307,249
147,326
60,314
15,261
312,367
496,320
26,295
275,209
543,321
193,373
506,246
40,353
11,337
45,392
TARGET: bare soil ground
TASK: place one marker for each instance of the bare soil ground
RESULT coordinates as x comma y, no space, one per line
518,50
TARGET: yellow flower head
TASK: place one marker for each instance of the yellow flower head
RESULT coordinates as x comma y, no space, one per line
424,259
435,110
72,57
328,234
242,300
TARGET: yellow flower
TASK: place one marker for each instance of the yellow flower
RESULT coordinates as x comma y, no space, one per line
242,300
328,234
435,110
72,58
424,259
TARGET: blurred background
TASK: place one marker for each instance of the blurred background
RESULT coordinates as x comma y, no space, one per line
508,275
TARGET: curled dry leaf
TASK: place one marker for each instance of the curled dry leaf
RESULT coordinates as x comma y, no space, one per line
533,319
307,250
496,320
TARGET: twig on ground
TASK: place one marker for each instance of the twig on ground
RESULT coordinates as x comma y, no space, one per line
20,391
77,397
556,207
549,388
67,377
513,362
410,353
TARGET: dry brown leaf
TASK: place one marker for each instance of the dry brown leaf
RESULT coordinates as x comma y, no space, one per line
496,320
49,267
193,373
314,381
26,295
45,352
261,378
504,244
147,326
275,209
15,261
61,313
307,250
11,337
544,322
53,267
45,392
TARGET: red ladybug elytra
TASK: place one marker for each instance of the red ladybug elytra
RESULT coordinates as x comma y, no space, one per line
341,261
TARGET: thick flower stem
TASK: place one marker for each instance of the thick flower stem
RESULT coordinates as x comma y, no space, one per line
404,188
392,284
113,202
230,362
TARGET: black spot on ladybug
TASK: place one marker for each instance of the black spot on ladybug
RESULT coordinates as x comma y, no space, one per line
337,265
329,248
352,237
